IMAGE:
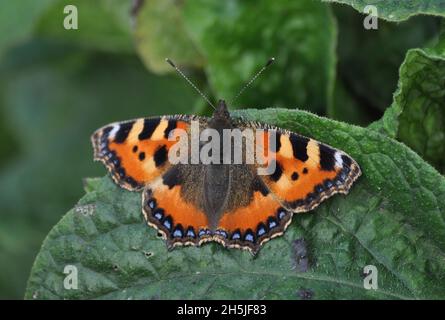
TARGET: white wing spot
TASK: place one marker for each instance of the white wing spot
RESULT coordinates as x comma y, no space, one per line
113,131
338,159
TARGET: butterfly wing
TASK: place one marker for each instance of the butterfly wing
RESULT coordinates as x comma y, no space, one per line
258,207
253,215
173,204
136,152
307,171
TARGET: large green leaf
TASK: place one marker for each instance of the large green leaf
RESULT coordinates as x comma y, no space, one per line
417,115
398,10
367,75
393,218
238,37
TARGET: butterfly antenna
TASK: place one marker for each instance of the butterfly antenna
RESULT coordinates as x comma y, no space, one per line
269,62
189,81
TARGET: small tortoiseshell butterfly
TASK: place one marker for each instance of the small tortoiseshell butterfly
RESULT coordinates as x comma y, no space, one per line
190,204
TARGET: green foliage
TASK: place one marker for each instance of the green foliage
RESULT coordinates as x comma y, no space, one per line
369,61
14,30
238,37
417,115
55,101
160,33
393,219
398,10
55,90
57,86
103,24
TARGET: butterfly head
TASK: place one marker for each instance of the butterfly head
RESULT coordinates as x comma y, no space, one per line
221,111
221,116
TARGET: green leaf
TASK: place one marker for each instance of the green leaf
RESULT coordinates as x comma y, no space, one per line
417,115
398,10
52,98
238,37
160,33
367,75
347,107
393,218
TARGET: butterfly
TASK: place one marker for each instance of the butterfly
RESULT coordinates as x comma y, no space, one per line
190,204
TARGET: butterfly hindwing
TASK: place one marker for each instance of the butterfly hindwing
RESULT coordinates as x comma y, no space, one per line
260,218
172,204
176,205
136,151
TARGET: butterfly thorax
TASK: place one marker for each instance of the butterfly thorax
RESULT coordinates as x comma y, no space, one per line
217,179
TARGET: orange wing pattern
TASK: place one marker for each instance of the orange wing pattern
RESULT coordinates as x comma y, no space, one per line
307,171
258,207
249,227
135,152
167,206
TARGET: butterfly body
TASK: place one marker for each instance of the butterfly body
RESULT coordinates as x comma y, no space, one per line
227,202
217,177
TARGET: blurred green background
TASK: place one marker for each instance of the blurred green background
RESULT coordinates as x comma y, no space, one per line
57,86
